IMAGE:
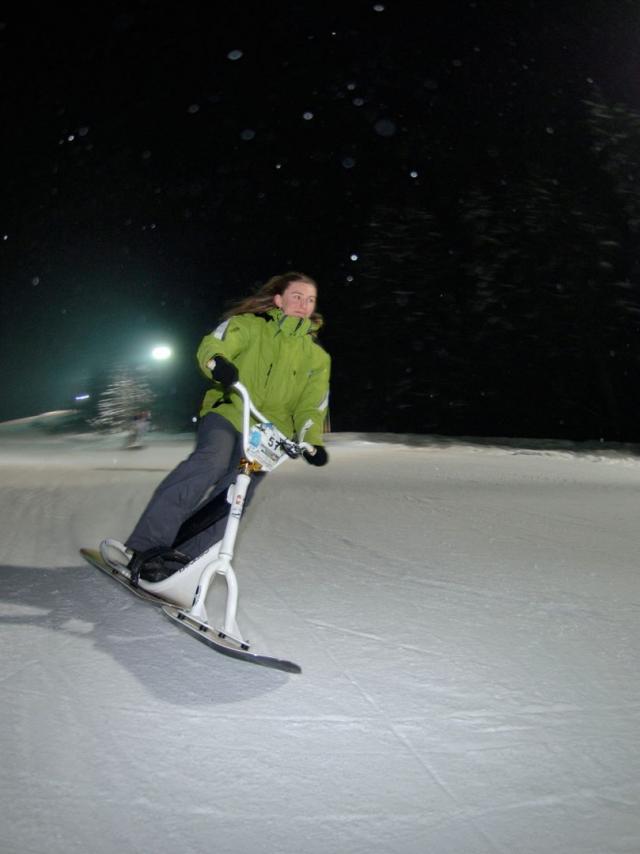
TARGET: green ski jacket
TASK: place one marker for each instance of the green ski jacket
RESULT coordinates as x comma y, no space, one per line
284,369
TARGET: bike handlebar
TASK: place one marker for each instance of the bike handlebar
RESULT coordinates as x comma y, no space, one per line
292,449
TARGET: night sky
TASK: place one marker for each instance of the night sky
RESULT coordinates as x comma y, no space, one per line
461,181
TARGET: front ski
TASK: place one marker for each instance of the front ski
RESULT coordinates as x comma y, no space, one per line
215,639
94,557
223,643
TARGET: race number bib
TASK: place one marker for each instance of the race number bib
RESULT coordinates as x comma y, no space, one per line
266,446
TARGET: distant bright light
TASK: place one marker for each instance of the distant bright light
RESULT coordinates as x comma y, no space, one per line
82,397
161,353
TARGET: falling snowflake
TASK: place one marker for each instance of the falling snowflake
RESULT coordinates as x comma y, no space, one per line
233,55
384,127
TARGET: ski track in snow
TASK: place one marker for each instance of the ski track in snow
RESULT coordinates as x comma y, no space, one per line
466,619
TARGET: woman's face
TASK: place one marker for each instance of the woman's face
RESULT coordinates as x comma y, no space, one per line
298,300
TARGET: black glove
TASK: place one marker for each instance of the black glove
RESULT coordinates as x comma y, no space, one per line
319,457
224,371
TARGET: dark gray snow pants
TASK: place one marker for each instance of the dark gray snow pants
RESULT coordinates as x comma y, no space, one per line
208,471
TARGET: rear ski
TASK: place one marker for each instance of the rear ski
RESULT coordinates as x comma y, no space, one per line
94,557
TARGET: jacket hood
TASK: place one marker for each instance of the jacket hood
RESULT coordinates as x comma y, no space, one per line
290,325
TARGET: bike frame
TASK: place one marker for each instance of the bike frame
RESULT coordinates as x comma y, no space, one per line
189,587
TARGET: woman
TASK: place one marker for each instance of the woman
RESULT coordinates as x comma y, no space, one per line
268,342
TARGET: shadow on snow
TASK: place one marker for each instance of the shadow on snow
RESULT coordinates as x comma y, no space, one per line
80,602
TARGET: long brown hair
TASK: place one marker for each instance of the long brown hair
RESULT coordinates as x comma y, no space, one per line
262,299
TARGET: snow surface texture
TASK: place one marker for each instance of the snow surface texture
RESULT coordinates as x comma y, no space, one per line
466,619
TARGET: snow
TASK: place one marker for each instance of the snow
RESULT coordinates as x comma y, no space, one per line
466,620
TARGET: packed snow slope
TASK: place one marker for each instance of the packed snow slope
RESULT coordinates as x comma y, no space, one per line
467,622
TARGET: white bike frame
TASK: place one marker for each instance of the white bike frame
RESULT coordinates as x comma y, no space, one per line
189,587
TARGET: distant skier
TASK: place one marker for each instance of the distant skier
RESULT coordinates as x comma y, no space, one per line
140,425
268,342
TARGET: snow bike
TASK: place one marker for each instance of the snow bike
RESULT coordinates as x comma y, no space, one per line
183,595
